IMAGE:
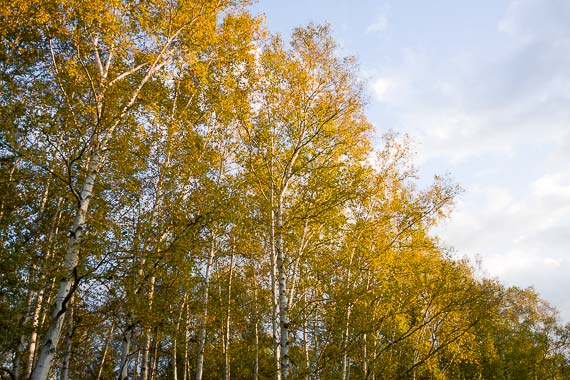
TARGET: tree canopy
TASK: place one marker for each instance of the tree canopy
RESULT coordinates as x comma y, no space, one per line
185,195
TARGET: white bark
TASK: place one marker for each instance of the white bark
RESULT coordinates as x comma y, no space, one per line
154,366
345,340
205,296
34,335
346,332
175,338
136,365
18,355
68,281
364,356
256,334
185,375
306,336
227,364
256,362
283,302
105,350
125,352
37,318
64,374
317,344
274,289
146,356
146,348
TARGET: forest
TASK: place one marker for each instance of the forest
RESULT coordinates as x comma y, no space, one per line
185,195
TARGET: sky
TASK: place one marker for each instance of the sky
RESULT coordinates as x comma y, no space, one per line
483,89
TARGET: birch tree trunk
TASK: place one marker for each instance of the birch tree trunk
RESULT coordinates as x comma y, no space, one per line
125,352
227,365
19,354
345,340
306,336
64,375
30,317
364,356
154,365
147,345
256,361
136,366
205,296
185,375
69,277
105,350
37,319
274,284
175,338
283,304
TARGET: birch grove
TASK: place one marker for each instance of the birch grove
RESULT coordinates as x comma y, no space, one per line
184,195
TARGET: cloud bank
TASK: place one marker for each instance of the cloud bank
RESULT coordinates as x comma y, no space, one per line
499,120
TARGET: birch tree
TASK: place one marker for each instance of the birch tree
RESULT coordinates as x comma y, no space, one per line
96,62
308,117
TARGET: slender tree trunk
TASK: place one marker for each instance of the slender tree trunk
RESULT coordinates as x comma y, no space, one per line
227,364
256,361
136,366
317,343
44,312
365,339
375,344
42,305
306,337
145,355
125,352
147,344
364,356
346,332
345,340
154,366
175,338
185,375
255,332
37,317
64,374
69,278
296,271
274,274
34,334
203,322
174,364
28,315
283,303
275,310
19,354
104,353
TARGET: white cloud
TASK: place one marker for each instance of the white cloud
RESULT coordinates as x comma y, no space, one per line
533,20
383,89
379,25
500,122
554,186
522,239
469,105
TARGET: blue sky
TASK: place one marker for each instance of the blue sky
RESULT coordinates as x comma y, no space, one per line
483,89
